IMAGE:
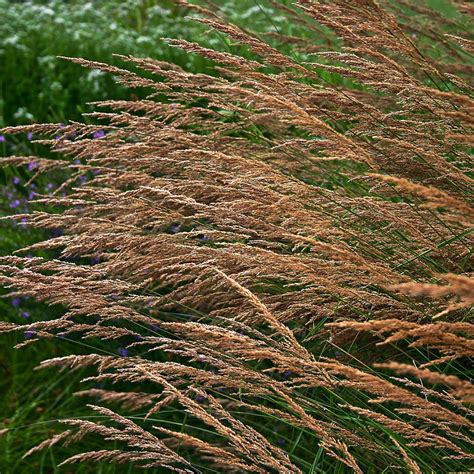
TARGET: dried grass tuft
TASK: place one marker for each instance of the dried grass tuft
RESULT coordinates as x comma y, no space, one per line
271,246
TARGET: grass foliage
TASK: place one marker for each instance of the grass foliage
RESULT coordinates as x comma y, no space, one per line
260,259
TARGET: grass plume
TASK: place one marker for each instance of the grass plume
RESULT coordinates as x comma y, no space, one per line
271,243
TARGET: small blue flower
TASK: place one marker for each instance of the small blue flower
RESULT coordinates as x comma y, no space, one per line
29,334
16,180
2,138
199,398
122,352
25,314
29,136
14,203
95,260
16,301
32,166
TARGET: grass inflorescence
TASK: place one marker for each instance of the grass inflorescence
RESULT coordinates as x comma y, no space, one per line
268,265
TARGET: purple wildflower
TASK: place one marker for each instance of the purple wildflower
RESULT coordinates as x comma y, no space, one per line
174,228
199,398
25,314
15,203
2,138
98,134
95,260
287,374
29,334
16,301
31,195
122,352
29,136
16,180
33,165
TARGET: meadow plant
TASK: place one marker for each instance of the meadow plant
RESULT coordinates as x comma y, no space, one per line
269,268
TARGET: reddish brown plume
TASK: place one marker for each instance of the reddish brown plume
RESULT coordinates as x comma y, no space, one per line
274,243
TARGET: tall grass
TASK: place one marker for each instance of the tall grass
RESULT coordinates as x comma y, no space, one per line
36,87
267,269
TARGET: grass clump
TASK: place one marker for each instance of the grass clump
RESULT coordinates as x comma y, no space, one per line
268,267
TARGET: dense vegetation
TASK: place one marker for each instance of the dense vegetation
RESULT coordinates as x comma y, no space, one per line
258,249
